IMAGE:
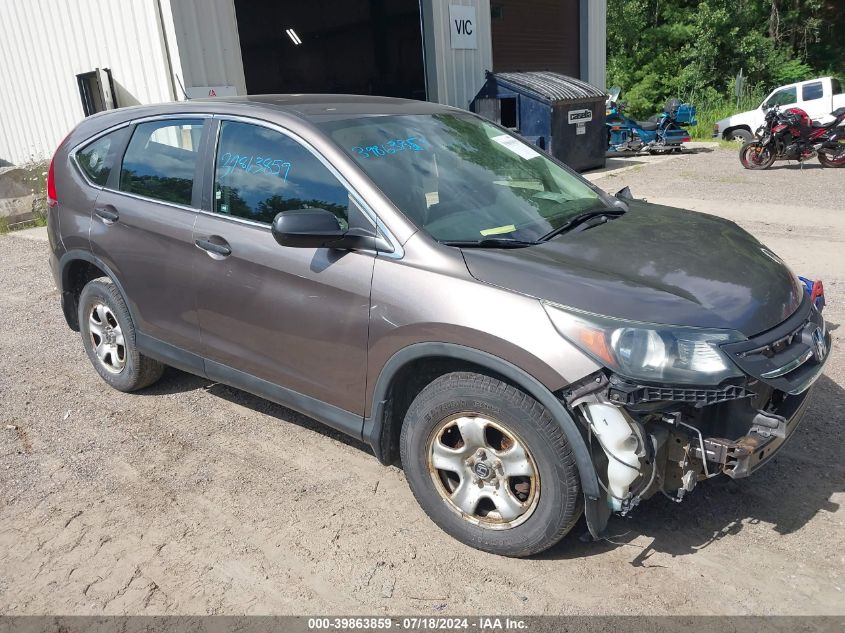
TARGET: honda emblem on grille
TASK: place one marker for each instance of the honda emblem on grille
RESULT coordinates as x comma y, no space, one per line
819,344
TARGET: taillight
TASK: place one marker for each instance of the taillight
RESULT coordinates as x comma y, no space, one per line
52,198
817,291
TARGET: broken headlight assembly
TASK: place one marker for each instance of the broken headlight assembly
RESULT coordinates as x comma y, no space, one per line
649,352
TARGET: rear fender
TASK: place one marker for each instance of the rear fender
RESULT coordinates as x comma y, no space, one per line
69,298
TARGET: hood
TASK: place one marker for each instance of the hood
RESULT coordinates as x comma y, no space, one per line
751,118
655,264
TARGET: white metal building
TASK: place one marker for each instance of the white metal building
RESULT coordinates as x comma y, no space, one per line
63,59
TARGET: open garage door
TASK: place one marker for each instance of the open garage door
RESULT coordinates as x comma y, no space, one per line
332,46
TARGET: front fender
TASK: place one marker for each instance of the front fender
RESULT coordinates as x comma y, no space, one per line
374,426
751,120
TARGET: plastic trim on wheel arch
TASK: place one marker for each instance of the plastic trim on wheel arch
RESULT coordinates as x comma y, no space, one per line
374,425
71,256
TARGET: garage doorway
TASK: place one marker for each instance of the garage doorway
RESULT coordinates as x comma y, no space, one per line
371,47
536,35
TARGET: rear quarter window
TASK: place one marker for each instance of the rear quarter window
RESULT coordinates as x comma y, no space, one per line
161,159
97,157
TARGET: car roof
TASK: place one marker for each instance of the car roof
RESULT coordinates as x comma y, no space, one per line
799,83
326,106
307,108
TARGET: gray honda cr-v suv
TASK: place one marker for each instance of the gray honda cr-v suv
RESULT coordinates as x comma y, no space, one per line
530,347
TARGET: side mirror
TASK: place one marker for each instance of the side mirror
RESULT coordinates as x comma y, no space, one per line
624,194
318,228
307,228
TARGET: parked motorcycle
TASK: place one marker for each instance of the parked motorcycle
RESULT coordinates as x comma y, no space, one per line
791,135
662,133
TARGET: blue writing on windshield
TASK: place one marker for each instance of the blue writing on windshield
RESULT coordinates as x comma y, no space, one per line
392,146
254,165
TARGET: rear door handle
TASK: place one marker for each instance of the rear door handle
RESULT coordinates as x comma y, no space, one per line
108,214
213,248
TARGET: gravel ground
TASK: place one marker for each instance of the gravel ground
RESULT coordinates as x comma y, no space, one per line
711,172
192,497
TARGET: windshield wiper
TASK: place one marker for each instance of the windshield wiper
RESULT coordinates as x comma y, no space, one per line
490,242
580,219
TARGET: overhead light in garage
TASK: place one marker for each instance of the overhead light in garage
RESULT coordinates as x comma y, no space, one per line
293,37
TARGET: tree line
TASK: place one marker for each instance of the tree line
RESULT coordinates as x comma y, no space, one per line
693,49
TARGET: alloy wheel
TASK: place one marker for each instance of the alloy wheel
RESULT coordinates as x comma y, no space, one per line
107,338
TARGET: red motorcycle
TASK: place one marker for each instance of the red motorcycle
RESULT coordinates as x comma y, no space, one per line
791,135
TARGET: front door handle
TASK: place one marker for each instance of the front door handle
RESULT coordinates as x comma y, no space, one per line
213,248
108,214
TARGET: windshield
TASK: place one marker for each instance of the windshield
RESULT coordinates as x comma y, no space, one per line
462,179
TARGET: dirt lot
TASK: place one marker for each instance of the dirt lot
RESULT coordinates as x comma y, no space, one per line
192,497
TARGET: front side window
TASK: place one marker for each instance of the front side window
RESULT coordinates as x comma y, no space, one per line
161,158
460,178
787,96
260,172
813,91
835,87
96,158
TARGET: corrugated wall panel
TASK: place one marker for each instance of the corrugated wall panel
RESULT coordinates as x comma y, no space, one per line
44,44
457,74
208,43
594,42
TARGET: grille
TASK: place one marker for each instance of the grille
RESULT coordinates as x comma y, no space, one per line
788,357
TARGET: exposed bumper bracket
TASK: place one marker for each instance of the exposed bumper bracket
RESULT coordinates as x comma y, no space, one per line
739,458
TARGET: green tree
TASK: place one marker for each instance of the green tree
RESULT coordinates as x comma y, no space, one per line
693,49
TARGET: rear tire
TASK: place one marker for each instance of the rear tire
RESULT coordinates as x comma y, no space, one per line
754,156
490,465
108,336
826,161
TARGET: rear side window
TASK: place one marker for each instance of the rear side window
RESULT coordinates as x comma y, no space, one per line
96,158
813,91
161,159
260,172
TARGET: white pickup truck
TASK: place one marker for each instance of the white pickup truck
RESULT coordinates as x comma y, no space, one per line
817,97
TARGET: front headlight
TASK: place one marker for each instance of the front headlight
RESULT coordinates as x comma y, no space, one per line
649,351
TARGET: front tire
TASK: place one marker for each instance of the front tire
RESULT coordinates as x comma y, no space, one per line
754,156
739,136
490,465
108,336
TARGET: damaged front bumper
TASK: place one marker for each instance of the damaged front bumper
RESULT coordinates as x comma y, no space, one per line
668,448
741,457
651,439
